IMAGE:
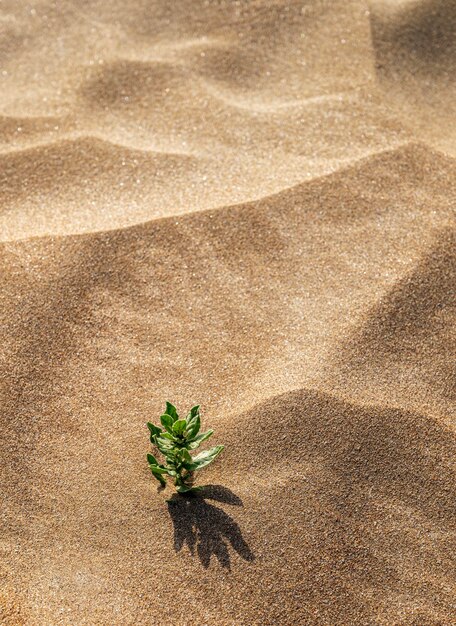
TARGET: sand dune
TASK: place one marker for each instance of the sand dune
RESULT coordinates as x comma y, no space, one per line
17,130
266,93
169,156
250,206
66,166
73,177
405,329
368,472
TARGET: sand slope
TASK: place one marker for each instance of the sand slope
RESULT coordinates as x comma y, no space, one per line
224,203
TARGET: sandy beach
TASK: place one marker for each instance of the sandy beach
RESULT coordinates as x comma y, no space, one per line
248,205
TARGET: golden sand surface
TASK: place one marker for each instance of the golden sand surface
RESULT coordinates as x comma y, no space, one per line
248,205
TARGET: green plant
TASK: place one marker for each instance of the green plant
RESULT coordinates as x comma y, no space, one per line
174,441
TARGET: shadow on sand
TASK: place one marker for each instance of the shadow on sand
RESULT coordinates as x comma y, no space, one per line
207,528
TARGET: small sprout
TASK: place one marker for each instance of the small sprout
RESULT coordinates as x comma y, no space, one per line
174,440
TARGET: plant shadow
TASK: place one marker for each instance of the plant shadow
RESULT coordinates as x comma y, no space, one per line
205,528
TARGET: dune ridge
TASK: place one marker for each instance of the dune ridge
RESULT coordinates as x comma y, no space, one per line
249,206
84,151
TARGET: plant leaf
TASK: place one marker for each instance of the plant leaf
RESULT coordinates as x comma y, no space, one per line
154,430
183,488
207,456
194,411
159,469
152,460
179,426
164,435
171,410
188,489
167,422
193,421
186,456
190,467
196,441
158,476
164,449
194,428
160,441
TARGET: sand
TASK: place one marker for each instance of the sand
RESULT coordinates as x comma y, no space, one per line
251,206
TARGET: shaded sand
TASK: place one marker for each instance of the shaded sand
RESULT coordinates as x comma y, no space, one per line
415,50
287,259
